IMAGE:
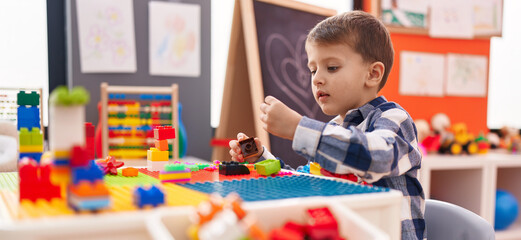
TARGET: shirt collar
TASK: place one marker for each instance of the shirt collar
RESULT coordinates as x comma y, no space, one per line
366,108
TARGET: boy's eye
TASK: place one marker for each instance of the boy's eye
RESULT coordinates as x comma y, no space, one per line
331,69
313,72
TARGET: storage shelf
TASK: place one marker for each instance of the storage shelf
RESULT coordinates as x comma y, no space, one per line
471,182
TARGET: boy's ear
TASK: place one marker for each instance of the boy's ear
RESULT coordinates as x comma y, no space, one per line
376,73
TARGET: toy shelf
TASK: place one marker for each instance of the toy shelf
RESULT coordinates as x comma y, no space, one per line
471,182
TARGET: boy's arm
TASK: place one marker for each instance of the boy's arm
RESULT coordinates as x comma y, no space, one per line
387,148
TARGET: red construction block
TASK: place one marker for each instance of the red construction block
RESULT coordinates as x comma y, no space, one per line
164,132
322,224
35,182
89,140
79,157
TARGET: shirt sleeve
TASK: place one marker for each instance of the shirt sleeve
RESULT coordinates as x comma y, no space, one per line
387,147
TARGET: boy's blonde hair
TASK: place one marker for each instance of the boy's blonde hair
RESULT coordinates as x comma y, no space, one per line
361,31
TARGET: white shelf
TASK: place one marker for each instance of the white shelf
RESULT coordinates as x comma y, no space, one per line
471,182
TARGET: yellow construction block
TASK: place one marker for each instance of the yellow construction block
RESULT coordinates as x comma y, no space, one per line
314,168
155,154
31,148
60,154
172,176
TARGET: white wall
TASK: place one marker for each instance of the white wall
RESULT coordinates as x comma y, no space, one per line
504,86
222,11
23,46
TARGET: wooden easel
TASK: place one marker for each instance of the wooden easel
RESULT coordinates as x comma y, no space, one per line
243,88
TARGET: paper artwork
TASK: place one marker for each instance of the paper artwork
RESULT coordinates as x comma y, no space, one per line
421,74
106,36
174,39
467,75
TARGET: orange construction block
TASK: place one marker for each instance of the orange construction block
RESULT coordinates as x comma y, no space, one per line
162,145
88,189
129,172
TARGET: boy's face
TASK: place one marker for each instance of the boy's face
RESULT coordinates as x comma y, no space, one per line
338,77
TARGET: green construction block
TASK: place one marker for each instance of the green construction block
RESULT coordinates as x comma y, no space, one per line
175,167
202,165
36,136
32,98
24,137
268,167
192,167
120,180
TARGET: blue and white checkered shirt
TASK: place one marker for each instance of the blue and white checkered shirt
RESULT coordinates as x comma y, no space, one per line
378,142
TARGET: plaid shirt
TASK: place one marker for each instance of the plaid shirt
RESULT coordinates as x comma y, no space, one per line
377,142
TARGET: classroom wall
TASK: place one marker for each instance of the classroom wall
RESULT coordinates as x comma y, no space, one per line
470,110
194,92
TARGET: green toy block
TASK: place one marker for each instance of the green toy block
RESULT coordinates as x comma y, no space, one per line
268,167
175,167
36,136
192,167
32,98
24,137
203,165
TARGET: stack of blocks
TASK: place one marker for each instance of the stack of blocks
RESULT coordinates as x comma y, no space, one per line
157,158
175,173
87,190
31,138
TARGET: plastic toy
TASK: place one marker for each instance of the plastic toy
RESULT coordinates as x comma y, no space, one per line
23,98
233,168
129,172
248,147
152,196
268,167
507,209
175,173
35,182
283,187
110,165
225,218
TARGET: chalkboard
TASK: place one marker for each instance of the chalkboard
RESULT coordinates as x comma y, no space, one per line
267,57
281,34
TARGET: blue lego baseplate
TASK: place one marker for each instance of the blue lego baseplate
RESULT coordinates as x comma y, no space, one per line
273,188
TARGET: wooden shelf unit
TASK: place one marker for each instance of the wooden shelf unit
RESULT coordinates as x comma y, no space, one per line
471,182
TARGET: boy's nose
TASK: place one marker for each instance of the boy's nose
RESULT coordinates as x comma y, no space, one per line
317,79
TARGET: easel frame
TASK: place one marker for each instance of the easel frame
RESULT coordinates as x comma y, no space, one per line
106,89
244,46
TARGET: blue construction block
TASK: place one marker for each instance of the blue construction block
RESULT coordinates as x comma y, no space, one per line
272,188
36,156
28,117
91,173
153,196
90,204
61,162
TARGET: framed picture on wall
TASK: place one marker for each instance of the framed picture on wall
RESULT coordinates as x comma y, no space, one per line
441,19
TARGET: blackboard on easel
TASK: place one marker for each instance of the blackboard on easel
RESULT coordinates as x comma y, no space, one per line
267,57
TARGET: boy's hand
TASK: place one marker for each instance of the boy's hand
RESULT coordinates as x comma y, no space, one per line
279,119
236,152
